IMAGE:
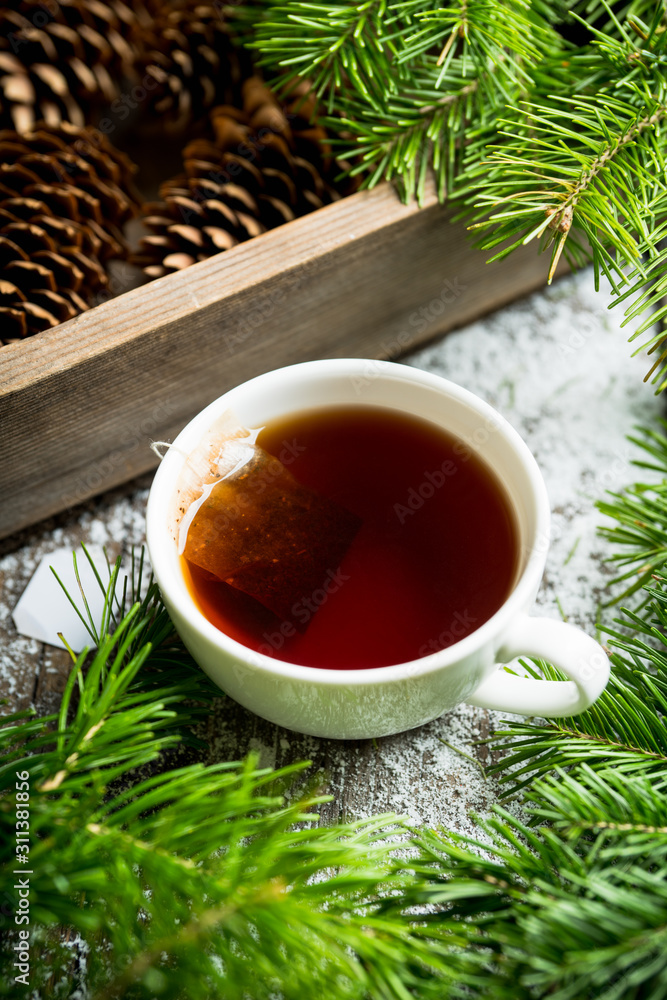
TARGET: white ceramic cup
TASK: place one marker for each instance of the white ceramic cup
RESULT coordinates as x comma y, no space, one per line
357,704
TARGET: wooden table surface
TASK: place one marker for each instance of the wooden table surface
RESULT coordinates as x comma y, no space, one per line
559,368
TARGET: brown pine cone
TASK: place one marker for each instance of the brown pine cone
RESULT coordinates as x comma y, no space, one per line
254,172
66,60
83,60
63,202
189,63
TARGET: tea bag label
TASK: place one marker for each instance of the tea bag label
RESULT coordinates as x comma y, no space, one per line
44,609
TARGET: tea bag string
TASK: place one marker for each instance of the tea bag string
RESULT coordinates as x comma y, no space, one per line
237,452
156,447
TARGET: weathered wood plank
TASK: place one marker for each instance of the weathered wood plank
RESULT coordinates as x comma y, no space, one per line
365,277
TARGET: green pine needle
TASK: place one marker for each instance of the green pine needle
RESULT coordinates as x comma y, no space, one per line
199,881
192,880
639,536
535,138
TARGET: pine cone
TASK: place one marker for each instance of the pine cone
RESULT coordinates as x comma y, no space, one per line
64,60
253,172
64,198
189,63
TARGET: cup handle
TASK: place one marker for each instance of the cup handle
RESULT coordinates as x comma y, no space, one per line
569,649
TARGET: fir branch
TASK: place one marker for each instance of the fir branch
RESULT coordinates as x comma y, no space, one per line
420,131
407,149
201,880
631,815
483,93
578,162
585,175
552,915
477,35
639,536
620,732
330,43
204,881
626,729
376,69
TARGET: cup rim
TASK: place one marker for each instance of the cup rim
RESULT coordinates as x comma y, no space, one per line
158,536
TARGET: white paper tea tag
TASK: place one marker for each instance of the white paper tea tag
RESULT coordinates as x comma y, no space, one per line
44,610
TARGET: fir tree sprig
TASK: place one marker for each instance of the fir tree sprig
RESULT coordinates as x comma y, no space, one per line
399,76
196,880
476,35
205,881
626,729
580,160
542,139
631,815
639,534
559,912
330,43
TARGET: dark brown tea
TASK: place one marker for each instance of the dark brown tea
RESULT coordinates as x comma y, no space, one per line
425,547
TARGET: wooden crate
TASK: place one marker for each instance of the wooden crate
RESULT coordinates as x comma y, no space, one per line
365,277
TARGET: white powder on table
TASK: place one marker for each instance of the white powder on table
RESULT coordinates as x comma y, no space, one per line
558,366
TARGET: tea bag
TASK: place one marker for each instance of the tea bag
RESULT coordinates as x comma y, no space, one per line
243,517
